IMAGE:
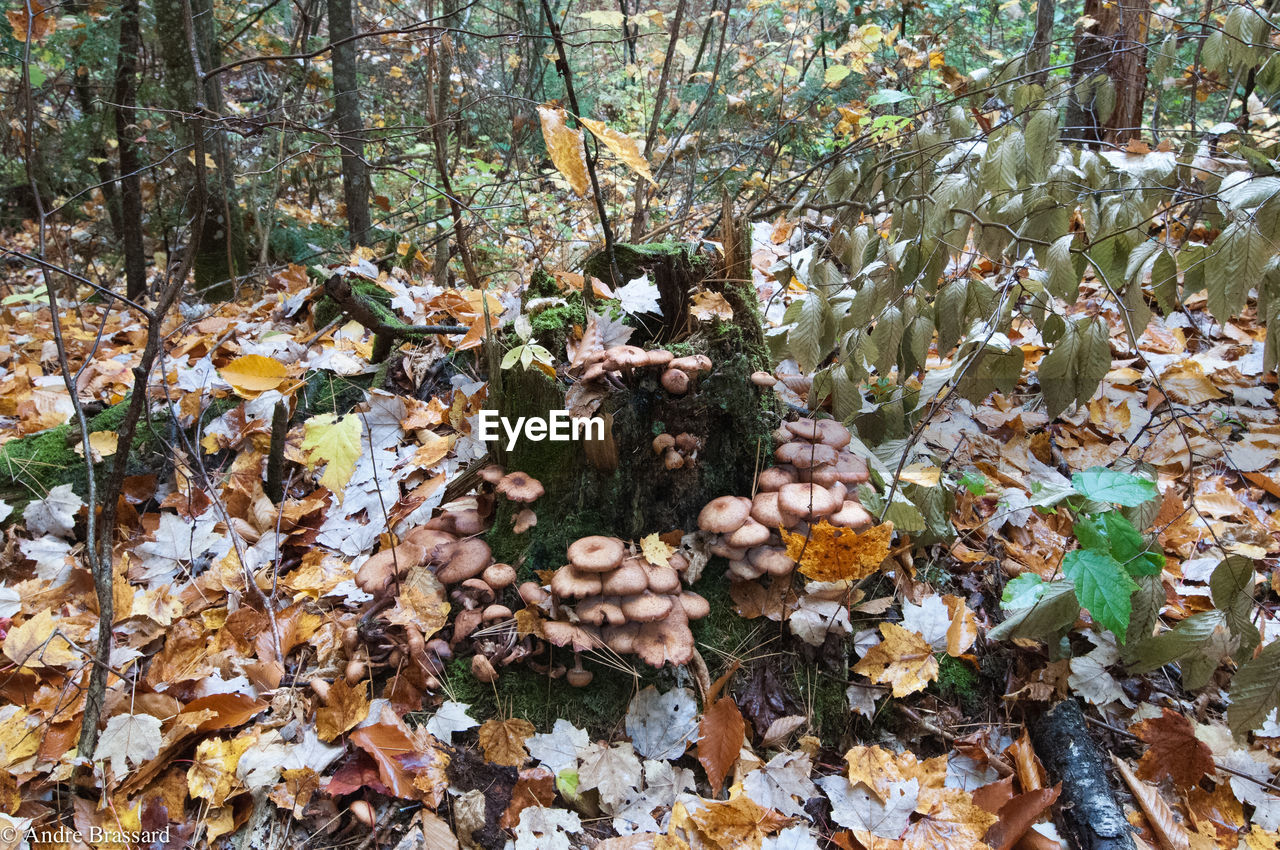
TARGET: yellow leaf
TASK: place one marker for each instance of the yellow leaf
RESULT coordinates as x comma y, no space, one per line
212,775
253,374
829,553
19,736
655,551
622,146
903,659
564,145
963,630
503,741
34,644
434,448
835,74
209,162
337,443
104,442
919,473
345,707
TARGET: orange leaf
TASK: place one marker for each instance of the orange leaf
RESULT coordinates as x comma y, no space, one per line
387,743
503,741
1171,833
535,787
1017,815
829,553
720,735
903,659
565,146
228,709
345,707
30,16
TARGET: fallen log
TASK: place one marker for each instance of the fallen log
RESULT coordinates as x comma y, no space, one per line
1091,816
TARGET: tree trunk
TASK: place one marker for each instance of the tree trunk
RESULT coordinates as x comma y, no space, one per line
125,96
346,109
106,177
1109,76
1041,42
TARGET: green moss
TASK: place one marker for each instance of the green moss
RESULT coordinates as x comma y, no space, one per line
632,259
823,694
542,284
959,682
325,392
551,327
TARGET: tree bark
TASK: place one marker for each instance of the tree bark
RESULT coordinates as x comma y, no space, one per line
1090,813
125,97
1112,48
346,109
1041,42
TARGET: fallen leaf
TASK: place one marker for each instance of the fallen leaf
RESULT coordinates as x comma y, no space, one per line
336,442
720,736
346,706
503,740
1173,750
829,553
253,374
1172,834
903,659
35,644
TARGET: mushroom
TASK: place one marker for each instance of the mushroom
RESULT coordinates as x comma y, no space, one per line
463,560
675,381
723,550
659,357
804,455
496,612
724,514
765,510
578,676
492,473
852,515
692,364
376,573
532,593
773,560
596,554
695,606
688,443
468,522
775,477
570,582
672,459
743,570
663,579
429,539
851,469
519,487
499,576
750,533
524,520
627,580
621,639
482,669
662,442
646,607
598,610
763,379
807,500
472,594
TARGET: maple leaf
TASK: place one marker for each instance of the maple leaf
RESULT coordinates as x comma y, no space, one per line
558,749
34,644
949,819
858,807
720,736
212,775
128,739
614,771
450,717
345,707
655,550
622,146
337,443
253,374
1173,750
730,824
783,784
829,553
546,829
903,659
54,514
639,296
503,740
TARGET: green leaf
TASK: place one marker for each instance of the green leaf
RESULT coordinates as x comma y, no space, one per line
1199,641
1109,485
1022,591
1072,371
1230,578
1063,281
337,443
1255,691
1046,620
805,338
1103,588
886,97
1164,281
974,482
1112,534
835,74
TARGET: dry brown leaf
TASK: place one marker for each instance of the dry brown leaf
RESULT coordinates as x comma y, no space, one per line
728,825
388,745
1031,773
903,659
564,145
534,787
1216,813
345,707
963,630
1173,750
1017,816
39,23
720,735
622,146
829,553
1171,833
36,644
503,741
1186,383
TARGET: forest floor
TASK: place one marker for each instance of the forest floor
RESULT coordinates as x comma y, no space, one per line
252,701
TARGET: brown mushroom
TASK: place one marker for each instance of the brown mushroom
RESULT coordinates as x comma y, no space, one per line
724,514
496,612
666,641
750,533
646,607
743,570
678,562
482,669
765,510
723,550
692,364
429,539
775,477
472,593
499,576
852,515
852,470
532,593
569,582
688,443
663,579
596,554
763,379
675,382
773,560
520,487
662,442
463,560
598,610
659,357
468,522
578,676
672,459
492,473
621,639
804,455
807,500
627,580
375,574
695,606
524,520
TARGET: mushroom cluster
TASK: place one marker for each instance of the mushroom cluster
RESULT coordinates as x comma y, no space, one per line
678,450
812,482
608,596
620,363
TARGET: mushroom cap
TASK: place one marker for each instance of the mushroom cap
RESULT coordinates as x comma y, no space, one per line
598,610
723,550
524,520
375,573
774,560
743,570
804,455
672,459
621,639
763,379
561,633
663,579
693,363
532,593
678,562
627,580
492,473
465,623
665,641
805,429
765,510
496,612
579,677
807,500
499,576
569,582
852,515
476,591
463,560
824,474
775,477
659,357
597,553
695,607
520,487
469,522
646,607
482,669
834,434
724,514
662,442
594,372
851,469
675,381
838,491
687,442
750,533
429,539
